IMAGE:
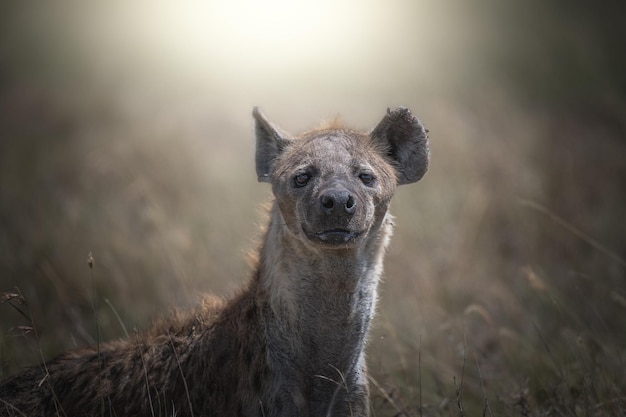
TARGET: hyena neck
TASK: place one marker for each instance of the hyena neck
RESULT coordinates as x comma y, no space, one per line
324,299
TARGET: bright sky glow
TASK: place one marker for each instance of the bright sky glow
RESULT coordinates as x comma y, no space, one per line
245,31
245,46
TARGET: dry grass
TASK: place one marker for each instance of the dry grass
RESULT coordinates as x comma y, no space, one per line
513,302
505,281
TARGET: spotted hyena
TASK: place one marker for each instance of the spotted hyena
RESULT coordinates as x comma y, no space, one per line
292,342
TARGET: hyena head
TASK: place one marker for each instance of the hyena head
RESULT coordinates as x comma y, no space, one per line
333,185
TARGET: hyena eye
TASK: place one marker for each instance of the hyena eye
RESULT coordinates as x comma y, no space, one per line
301,179
366,178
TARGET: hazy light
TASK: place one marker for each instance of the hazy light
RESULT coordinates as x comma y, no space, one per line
249,35
256,48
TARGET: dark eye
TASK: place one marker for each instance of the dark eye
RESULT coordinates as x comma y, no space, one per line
367,179
301,180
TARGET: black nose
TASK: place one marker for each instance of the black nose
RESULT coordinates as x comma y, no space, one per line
338,202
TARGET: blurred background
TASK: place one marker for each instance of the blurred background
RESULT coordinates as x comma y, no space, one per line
125,133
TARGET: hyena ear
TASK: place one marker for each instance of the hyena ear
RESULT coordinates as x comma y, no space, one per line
406,141
270,142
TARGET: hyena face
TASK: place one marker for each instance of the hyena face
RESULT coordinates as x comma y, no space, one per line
333,186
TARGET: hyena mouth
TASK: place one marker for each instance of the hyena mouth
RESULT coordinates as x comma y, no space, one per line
337,236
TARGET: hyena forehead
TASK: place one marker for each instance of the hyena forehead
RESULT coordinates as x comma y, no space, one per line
335,151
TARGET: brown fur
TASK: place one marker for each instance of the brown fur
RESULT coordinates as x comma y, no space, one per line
292,342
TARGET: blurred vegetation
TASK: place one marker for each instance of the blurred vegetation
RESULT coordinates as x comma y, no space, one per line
505,289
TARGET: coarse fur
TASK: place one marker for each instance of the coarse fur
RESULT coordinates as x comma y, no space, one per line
292,342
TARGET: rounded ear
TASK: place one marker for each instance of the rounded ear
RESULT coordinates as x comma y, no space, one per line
270,142
406,141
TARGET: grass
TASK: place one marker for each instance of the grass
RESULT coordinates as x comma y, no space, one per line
504,291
